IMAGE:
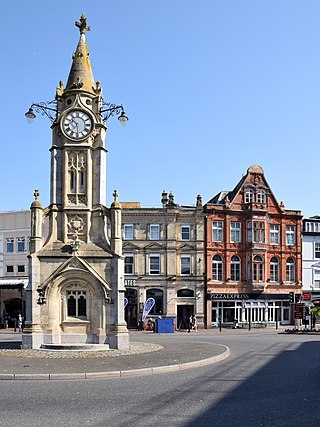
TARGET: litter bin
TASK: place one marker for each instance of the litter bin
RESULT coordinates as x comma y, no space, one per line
165,326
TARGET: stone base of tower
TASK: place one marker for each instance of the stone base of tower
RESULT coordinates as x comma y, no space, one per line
118,338
32,337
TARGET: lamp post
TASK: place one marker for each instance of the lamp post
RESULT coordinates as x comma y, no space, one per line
46,109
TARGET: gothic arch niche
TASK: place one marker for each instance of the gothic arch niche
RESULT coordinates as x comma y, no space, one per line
76,310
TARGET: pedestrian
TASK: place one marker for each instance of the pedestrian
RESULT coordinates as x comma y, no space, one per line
190,323
6,321
194,324
20,323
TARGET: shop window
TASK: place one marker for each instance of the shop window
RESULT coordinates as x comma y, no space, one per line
157,294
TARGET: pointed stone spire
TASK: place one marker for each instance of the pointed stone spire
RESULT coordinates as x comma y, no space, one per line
81,76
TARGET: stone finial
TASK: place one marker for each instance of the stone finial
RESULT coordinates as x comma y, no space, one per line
82,25
115,195
164,199
36,194
281,205
199,200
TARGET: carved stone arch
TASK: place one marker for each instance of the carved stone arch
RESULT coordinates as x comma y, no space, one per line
96,299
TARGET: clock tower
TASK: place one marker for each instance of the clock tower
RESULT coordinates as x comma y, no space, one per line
76,284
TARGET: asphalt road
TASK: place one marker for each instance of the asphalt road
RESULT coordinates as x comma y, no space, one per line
268,380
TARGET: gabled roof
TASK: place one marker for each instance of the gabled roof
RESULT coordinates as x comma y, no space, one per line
74,263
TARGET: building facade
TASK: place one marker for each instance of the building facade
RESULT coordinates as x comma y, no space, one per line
14,248
253,254
163,251
75,293
311,260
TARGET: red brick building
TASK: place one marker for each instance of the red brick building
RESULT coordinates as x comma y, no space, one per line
253,254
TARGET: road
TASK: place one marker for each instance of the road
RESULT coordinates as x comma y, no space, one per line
268,380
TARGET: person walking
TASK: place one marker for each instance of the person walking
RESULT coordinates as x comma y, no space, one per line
20,323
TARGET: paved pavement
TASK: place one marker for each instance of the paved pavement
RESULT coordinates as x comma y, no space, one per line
148,354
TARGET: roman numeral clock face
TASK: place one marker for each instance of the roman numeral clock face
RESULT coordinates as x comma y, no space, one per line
77,125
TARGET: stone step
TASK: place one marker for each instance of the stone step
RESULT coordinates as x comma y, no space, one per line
75,347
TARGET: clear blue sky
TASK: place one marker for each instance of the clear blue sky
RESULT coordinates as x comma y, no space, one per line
210,87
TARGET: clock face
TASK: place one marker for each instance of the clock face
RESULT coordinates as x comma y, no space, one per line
77,124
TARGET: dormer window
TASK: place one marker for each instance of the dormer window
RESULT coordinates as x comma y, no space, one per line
261,198
249,195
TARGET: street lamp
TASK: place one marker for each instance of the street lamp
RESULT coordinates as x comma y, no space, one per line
45,108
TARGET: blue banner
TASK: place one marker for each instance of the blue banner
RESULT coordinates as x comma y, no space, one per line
147,307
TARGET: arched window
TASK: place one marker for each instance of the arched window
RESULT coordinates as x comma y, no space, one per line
290,270
274,269
77,304
185,293
217,268
235,268
261,197
258,270
157,294
249,195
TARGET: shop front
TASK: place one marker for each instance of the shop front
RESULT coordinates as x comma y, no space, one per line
247,309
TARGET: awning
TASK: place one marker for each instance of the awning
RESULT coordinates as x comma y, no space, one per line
13,283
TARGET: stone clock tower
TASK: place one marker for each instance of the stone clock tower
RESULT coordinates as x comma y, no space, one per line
76,285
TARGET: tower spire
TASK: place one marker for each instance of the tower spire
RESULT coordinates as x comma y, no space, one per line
81,76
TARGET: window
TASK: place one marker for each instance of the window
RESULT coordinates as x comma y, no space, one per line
256,232
185,232
290,235
21,244
249,195
217,268
128,231
154,232
235,268
235,232
76,304
317,250
274,234
274,269
258,269
290,270
184,293
185,264
10,269
21,269
128,264
217,231
261,197
10,243
317,279
154,264
157,294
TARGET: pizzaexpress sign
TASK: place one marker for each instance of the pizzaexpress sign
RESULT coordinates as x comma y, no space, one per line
228,296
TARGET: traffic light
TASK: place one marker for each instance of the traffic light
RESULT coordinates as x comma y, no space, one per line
291,297
297,297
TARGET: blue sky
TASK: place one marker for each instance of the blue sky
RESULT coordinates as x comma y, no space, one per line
210,87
